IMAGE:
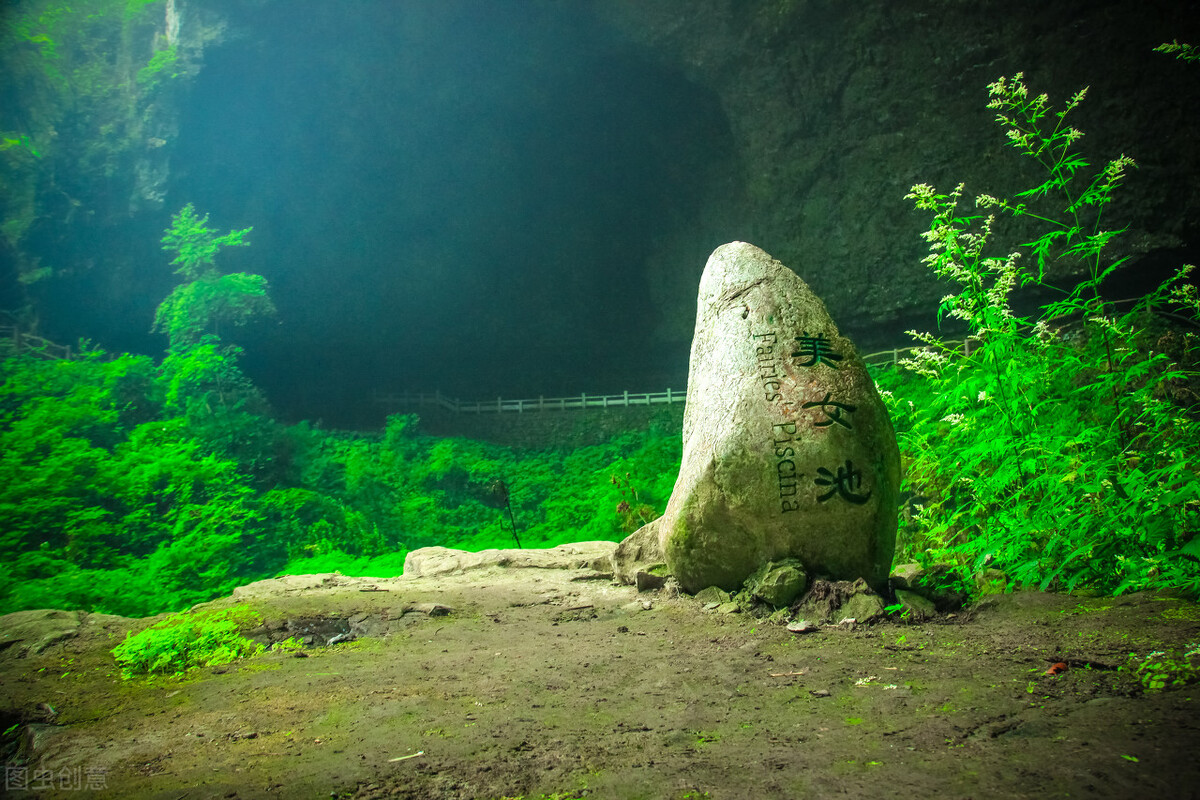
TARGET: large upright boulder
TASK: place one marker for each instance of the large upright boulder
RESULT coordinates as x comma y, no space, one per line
788,451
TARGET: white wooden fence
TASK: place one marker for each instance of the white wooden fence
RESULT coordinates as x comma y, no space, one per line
575,402
22,342
502,405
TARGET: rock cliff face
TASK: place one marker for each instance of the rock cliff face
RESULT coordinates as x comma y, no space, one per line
92,93
838,108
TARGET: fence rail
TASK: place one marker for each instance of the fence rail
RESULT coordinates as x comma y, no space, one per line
23,342
575,402
502,405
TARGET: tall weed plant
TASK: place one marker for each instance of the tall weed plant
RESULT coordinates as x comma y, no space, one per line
1057,446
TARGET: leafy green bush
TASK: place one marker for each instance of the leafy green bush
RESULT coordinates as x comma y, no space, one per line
1051,446
185,641
1162,670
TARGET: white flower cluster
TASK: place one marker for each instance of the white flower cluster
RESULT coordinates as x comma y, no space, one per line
988,201
928,361
926,196
1007,273
1044,333
1185,293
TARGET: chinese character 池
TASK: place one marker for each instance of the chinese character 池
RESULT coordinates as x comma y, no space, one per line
844,483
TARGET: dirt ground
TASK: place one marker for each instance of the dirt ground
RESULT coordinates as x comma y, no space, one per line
541,683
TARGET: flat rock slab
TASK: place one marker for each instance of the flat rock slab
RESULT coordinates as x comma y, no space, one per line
25,633
430,561
34,631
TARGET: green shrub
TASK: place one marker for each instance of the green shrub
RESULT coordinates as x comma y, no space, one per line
185,641
1052,446
1161,670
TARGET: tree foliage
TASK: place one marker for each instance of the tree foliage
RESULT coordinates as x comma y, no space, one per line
208,299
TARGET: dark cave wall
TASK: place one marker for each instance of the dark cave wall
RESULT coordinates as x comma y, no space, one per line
838,108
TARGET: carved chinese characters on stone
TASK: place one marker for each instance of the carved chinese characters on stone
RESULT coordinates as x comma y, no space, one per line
787,448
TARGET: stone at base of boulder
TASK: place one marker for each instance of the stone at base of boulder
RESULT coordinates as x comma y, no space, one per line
713,594
991,581
915,606
778,583
834,601
938,583
802,626
639,552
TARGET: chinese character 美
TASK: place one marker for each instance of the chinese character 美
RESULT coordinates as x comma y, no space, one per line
844,483
835,415
817,349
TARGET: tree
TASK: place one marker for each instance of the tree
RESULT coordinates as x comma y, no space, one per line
208,299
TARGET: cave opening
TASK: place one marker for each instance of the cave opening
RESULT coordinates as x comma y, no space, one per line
455,196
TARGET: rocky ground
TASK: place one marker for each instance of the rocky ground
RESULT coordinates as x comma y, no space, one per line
526,680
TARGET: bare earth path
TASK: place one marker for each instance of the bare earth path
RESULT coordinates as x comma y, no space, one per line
540,682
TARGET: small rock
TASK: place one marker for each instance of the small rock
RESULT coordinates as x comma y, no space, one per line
729,608
939,583
991,581
833,601
915,606
801,626
778,583
431,609
820,693
906,576
713,594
